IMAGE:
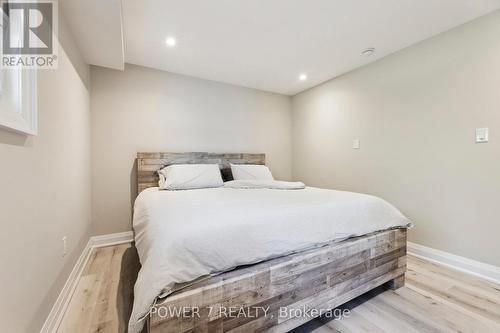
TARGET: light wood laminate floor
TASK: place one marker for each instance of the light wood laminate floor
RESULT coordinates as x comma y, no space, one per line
434,299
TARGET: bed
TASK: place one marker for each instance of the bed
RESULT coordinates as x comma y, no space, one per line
240,260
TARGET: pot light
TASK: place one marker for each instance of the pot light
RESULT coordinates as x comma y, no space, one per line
170,41
303,77
368,52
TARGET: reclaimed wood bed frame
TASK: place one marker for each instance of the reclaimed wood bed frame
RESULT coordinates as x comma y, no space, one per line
293,289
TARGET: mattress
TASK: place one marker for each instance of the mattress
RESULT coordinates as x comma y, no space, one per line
183,235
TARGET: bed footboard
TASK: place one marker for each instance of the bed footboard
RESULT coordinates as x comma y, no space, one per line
281,294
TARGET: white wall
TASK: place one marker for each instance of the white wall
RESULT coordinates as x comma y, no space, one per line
143,109
415,113
45,194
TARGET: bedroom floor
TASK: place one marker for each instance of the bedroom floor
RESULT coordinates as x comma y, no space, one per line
434,299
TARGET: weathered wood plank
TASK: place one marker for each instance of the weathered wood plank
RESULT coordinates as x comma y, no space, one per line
397,282
374,314
314,279
149,163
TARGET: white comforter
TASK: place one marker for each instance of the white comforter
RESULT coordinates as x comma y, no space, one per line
183,235
264,184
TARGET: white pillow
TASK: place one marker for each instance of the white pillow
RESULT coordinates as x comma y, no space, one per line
251,172
190,176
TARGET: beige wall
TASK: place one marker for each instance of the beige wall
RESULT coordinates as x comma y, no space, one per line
45,195
142,109
415,113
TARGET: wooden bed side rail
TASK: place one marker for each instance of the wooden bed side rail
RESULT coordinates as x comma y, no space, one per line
281,294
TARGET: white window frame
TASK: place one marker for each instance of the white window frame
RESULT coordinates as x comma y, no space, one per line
23,116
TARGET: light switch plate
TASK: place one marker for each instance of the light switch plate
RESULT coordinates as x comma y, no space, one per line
355,144
482,135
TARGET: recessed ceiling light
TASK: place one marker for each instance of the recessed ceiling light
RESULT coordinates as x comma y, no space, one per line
303,77
170,41
368,52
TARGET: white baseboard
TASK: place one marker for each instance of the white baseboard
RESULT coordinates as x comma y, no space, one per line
477,268
56,314
112,239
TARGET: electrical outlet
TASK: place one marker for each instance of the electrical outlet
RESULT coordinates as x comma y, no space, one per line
65,245
482,135
355,144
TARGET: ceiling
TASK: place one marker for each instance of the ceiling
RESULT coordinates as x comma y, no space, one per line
267,44
97,26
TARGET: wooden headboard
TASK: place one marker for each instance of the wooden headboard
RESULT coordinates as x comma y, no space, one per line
149,163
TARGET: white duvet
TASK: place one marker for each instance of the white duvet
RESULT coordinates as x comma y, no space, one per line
183,235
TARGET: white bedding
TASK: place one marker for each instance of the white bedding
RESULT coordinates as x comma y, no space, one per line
264,184
183,235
